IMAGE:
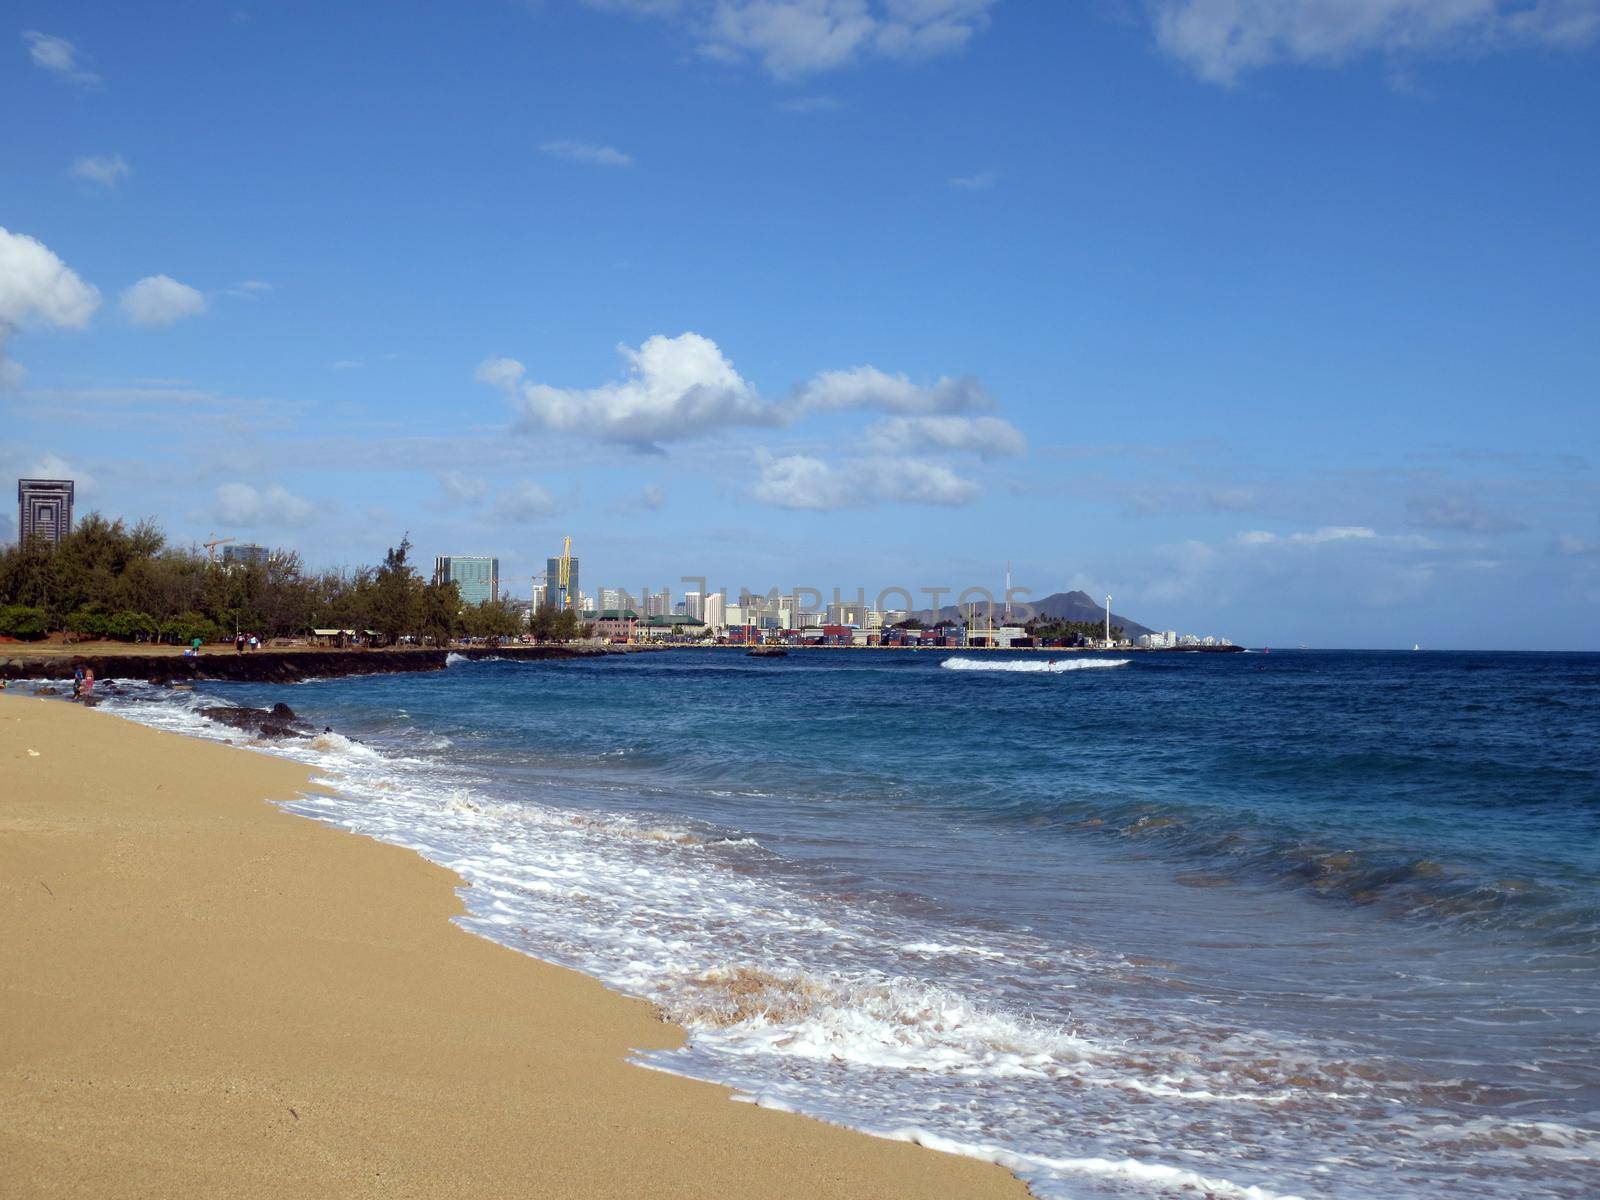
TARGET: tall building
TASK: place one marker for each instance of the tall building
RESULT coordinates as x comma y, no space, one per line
559,597
712,610
44,509
694,605
477,577
540,591
245,553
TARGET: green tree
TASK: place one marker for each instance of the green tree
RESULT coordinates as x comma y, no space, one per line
396,592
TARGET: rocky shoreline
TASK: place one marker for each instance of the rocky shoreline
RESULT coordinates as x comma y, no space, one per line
270,666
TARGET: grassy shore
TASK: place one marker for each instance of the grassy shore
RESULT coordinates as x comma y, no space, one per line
201,995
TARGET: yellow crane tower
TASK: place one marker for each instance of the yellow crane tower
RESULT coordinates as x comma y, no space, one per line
564,574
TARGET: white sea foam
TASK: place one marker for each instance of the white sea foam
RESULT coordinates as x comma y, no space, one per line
1034,665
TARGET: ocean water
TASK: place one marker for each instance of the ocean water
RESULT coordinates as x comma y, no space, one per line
1317,924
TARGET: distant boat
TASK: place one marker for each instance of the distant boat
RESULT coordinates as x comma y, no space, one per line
1416,646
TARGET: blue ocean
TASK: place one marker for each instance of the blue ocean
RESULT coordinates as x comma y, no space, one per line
1316,924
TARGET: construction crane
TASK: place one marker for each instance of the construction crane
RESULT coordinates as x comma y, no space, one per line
564,574
211,546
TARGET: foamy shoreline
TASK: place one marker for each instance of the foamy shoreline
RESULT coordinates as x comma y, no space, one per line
207,995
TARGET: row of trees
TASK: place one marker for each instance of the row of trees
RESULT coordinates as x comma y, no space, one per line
106,579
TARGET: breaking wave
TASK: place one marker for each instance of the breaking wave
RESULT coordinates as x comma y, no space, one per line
1054,666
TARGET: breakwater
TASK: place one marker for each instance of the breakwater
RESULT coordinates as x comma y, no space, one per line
269,666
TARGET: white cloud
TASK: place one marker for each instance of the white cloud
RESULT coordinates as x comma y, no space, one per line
1332,533
500,372
793,38
161,300
1221,39
461,488
676,387
241,504
870,388
799,481
59,57
987,437
104,169
588,152
525,502
982,181
347,364
37,288
249,289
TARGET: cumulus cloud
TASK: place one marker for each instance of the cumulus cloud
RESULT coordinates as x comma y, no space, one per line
103,169
59,57
587,152
870,388
794,38
676,387
37,289
799,481
1222,39
241,504
525,502
161,300
987,437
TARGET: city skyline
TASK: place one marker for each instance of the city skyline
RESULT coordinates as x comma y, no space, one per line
1260,323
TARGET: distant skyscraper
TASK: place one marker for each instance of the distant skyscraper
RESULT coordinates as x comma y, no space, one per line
552,582
694,605
44,509
540,591
712,610
477,577
245,552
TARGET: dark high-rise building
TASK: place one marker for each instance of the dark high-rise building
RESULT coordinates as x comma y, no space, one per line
555,595
44,509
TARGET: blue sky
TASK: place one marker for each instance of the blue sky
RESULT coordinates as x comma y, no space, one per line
1275,320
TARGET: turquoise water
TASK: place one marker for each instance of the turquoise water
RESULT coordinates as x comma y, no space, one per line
1317,923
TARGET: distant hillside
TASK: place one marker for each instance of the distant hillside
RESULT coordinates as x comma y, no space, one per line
1064,606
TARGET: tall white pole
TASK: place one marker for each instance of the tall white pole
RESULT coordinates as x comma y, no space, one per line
1108,622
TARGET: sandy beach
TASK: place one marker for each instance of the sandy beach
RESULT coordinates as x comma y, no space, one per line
206,996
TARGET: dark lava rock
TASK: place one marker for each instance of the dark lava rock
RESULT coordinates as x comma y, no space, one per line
259,721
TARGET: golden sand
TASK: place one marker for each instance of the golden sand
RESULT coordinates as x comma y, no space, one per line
201,995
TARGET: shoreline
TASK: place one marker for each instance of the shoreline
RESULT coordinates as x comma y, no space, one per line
267,665
273,665
206,994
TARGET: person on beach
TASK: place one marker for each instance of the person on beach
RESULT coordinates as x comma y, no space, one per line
195,645
238,643
255,642
77,681
88,683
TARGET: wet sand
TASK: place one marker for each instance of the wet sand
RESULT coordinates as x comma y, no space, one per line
203,995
